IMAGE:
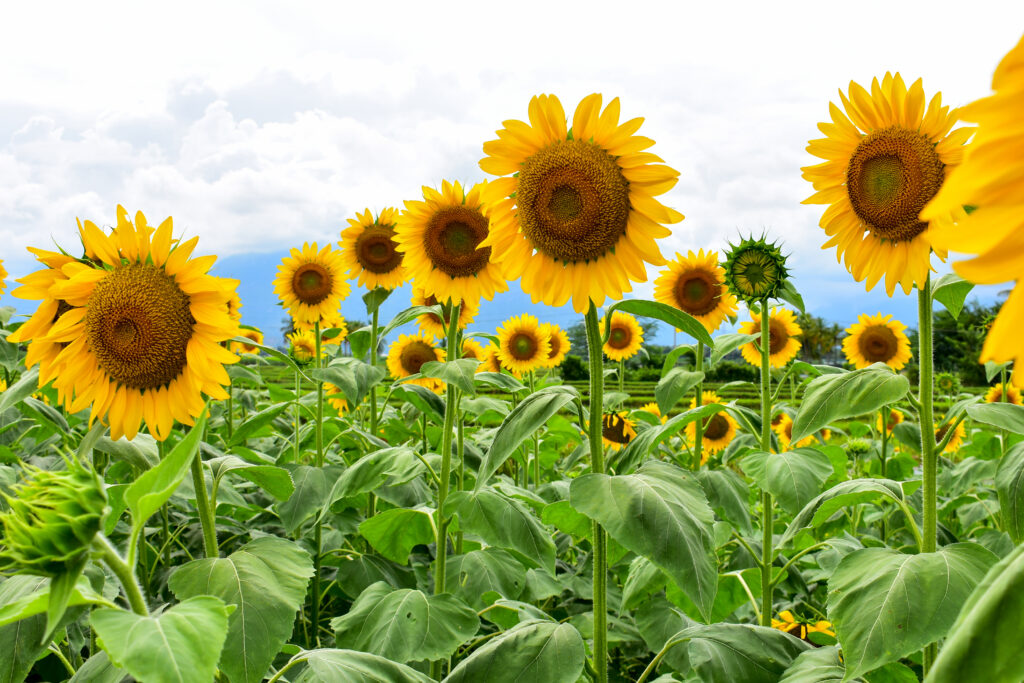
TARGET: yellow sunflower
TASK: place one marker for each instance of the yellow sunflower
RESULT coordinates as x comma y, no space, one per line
782,343
408,354
3,384
330,321
311,283
995,395
443,238
145,329
235,302
885,158
877,339
719,429
471,348
249,333
617,430
575,214
695,284
653,409
784,432
490,362
521,345
432,324
624,338
955,441
991,180
3,274
893,419
788,623
558,341
369,250
335,398
303,345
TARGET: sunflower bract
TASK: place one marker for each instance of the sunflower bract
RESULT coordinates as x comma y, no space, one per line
755,270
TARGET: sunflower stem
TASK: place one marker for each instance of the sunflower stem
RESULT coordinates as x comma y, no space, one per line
767,513
317,526
206,516
536,440
298,389
698,426
594,344
228,414
460,446
929,457
885,412
124,573
622,375
371,501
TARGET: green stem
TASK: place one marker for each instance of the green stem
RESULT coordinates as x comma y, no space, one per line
318,525
886,411
698,441
460,441
123,571
767,513
658,657
536,440
298,390
622,375
929,458
206,516
371,502
594,344
229,413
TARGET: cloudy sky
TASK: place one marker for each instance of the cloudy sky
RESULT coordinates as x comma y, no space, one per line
258,126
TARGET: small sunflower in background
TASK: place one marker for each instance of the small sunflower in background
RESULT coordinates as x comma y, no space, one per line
653,409
252,334
559,344
784,432
330,321
471,348
3,274
491,361
719,429
443,238
235,302
409,353
877,339
955,441
575,214
617,430
625,336
335,397
885,158
893,418
369,250
809,632
947,383
995,395
431,323
521,345
303,345
695,284
991,181
145,329
782,342
311,283
755,270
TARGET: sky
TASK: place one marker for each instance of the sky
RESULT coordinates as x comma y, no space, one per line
259,126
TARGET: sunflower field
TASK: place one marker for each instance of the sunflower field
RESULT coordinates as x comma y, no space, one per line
423,500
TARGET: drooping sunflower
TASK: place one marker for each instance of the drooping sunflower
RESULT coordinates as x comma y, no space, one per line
335,398
431,323
991,180
443,238
249,333
653,409
617,430
369,250
521,345
782,343
877,339
719,429
471,348
995,395
311,282
575,214
491,361
303,345
331,321
804,631
695,284
885,158
145,329
784,432
892,419
559,344
408,354
625,337
955,441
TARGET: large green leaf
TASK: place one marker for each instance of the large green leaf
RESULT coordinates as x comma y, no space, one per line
480,571
531,651
459,372
834,397
255,422
23,596
311,489
266,582
26,384
1009,481
1003,415
728,653
405,625
726,344
181,645
683,322
524,420
984,643
503,522
659,512
951,290
353,377
817,665
98,669
673,386
274,480
792,477
155,486
850,492
885,605
728,495
394,533
334,666
390,466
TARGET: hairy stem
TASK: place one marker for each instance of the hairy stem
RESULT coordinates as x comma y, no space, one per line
767,513
594,344
698,441
123,571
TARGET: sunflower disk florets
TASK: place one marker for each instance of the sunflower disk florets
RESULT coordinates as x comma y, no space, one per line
755,270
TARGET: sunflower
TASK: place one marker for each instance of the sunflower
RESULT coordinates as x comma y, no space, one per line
559,343
145,329
617,430
755,270
575,214
3,274
884,160
719,429
782,343
431,323
311,283
625,337
335,397
3,384
369,250
788,623
408,354
947,383
471,348
521,345
653,409
303,345
995,395
877,339
784,432
490,362
893,419
331,321
954,442
235,302
991,180
443,239
249,333
695,284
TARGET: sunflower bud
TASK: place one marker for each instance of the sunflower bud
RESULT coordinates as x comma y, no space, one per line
858,448
52,520
755,270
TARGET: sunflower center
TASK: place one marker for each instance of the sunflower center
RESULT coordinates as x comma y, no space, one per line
556,346
138,324
697,293
716,427
434,317
572,201
892,174
619,338
878,344
415,354
940,433
523,346
451,238
778,337
375,249
613,428
311,283
755,273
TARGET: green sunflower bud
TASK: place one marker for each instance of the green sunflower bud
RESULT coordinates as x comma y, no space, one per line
947,383
858,448
52,520
755,270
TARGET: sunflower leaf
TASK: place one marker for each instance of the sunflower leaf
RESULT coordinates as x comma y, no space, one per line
665,313
457,372
833,397
726,344
951,290
1003,415
673,386
792,477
